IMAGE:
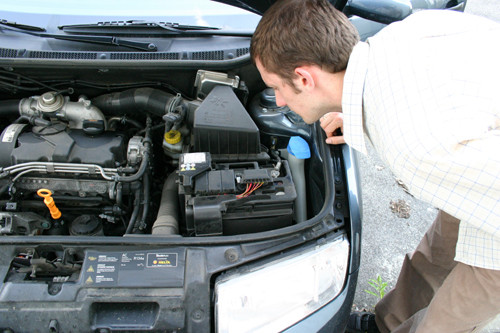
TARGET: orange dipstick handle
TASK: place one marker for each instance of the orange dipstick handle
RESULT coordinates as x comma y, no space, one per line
49,202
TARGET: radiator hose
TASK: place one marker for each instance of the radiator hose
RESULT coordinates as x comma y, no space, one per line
167,222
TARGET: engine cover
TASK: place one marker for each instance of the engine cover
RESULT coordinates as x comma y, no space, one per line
59,144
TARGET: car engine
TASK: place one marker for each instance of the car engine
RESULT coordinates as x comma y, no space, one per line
143,160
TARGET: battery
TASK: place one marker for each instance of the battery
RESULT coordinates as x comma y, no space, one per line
215,208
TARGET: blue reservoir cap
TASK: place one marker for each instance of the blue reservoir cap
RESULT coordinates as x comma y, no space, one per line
298,147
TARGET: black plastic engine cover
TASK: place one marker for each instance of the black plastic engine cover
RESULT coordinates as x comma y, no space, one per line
68,146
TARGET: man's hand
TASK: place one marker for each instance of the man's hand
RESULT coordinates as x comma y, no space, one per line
330,123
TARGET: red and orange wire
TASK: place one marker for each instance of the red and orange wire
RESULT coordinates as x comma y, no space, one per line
251,187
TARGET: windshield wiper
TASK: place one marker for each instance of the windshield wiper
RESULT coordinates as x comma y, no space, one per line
20,26
108,40
137,27
134,25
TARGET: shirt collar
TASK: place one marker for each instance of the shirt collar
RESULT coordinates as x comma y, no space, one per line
352,97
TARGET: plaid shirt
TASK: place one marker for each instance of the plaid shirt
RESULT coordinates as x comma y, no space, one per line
426,93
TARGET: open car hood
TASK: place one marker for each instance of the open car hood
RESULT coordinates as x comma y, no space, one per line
260,6
254,6
383,11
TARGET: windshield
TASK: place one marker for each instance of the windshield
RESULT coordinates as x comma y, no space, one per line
190,12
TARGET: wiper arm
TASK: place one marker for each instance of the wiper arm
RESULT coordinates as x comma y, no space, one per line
20,26
109,40
136,27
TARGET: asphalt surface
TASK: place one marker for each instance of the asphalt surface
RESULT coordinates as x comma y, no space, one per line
386,236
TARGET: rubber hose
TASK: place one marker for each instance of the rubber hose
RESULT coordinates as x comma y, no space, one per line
167,222
139,224
135,212
124,120
9,107
135,100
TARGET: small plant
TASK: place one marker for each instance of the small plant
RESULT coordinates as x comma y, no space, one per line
379,286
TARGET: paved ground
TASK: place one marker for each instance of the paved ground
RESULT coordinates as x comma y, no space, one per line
387,237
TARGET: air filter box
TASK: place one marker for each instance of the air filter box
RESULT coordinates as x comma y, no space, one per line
222,126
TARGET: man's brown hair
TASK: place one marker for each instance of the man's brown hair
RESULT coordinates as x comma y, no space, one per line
295,33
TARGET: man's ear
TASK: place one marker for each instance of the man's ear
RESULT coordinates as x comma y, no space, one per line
304,78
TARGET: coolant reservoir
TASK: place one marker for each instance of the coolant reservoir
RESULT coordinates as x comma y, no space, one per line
172,142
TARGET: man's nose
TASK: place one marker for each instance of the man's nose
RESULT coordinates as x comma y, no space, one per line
280,101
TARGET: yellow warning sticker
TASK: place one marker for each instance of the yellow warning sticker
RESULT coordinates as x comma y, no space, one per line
89,280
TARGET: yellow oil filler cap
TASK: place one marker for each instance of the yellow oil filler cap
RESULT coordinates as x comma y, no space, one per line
49,202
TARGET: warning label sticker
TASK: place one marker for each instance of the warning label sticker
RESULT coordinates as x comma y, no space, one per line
194,158
103,268
135,268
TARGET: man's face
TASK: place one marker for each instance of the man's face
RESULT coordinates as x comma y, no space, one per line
286,95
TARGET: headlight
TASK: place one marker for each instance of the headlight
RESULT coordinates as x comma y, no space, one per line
275,296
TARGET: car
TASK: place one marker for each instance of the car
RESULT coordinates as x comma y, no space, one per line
149,181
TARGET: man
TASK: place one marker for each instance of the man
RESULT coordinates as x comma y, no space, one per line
424,92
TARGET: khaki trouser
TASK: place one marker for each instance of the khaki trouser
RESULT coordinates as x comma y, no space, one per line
434,293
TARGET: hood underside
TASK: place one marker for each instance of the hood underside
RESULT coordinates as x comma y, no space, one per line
260,6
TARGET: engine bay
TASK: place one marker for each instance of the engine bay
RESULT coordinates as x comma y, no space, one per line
147,160
140,174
